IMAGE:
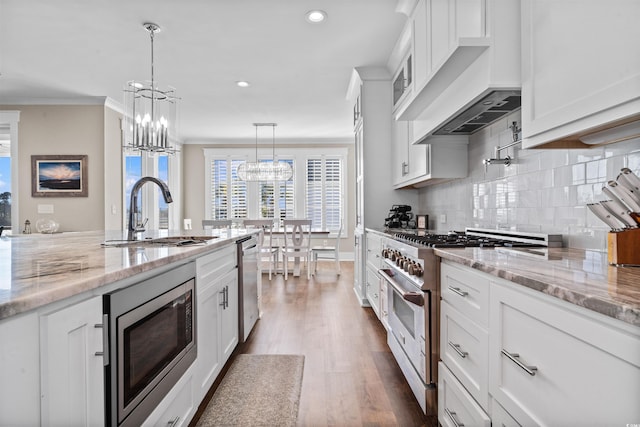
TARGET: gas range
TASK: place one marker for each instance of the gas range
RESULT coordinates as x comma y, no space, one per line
476,237
411,253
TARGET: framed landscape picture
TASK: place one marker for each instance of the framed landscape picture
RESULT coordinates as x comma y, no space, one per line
59,176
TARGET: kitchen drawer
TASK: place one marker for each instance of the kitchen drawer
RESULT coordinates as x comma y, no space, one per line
466,290
500,417
584,368
374,250
177,408
373,290
456,407
464,349
214,265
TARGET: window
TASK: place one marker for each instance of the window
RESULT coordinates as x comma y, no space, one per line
157,213
5,190
132,173
316,190
324,192
277,198
229,194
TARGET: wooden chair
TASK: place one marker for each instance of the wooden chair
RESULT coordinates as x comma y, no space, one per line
216,223
265,241
297,243
328,252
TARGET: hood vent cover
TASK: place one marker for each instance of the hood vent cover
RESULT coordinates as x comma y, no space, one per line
492,107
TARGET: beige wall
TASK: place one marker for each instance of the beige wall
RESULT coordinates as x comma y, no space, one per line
194,187
70,129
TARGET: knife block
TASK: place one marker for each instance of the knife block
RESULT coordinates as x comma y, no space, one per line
623,247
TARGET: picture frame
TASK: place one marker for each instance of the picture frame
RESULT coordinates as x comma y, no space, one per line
59,175
422,222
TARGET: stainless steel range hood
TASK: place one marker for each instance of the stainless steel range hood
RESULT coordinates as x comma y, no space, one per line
487,110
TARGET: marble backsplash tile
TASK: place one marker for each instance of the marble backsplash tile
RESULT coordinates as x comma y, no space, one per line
543,190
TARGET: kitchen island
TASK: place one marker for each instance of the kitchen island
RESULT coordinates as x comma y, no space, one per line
40,269
53,351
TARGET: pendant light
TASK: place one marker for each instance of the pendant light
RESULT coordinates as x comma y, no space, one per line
265,171
150,116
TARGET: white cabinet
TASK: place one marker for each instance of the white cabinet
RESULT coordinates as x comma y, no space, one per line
72,384
578,79
369,90
416,165
375,284
455,406
553,363
20,370
373,290
178,407
464,343
217,331
531,359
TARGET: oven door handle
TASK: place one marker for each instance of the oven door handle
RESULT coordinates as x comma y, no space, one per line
416,298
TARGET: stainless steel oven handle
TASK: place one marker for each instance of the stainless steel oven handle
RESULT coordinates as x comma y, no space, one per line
531,370
458,291
416,298
452,415
173,422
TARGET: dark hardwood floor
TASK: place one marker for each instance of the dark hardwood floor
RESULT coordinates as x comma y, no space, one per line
350,376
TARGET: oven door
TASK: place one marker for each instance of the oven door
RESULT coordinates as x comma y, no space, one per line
407,318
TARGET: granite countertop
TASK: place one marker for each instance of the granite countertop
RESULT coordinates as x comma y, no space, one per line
581,277
39,269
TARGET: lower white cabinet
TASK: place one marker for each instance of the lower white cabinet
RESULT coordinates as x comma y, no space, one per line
178,407
556,364
455,405
72,385
525,358
217,324
373,290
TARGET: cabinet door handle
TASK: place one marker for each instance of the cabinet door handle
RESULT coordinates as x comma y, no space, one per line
224,297
531,370
458,291
452,415
456,347
173,422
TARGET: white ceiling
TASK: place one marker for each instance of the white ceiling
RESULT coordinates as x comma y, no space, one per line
299,72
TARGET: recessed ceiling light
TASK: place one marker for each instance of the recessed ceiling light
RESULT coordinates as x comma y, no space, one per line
316,16
242,83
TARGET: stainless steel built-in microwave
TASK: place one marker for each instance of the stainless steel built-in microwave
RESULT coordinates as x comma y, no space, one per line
152,342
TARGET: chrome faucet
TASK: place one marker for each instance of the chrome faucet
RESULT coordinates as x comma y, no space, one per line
136,227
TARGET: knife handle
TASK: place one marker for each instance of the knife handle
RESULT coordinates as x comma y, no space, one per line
629,180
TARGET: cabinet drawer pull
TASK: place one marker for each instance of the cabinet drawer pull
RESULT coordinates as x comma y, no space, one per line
173,422
99,353
458,291
456,347
452,415
531,370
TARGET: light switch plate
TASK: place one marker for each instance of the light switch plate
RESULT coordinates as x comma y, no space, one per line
45,209
443,219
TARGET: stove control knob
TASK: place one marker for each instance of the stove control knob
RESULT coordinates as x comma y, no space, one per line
385,253
416,270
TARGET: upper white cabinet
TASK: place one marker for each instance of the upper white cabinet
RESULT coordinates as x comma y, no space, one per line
462,50
580,68
417,165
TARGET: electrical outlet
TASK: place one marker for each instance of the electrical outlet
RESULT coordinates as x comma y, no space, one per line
45,209
443,219
113,210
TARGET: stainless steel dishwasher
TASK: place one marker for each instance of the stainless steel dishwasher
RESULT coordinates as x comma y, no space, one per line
247,285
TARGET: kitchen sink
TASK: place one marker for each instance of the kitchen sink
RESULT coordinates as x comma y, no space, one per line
160,241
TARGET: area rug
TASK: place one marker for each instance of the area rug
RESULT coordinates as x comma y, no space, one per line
257,390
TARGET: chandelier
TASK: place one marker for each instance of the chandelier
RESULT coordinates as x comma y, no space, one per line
265,171
150,112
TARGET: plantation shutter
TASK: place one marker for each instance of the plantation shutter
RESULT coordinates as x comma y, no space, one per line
324,197
228,193
314,192
238,203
